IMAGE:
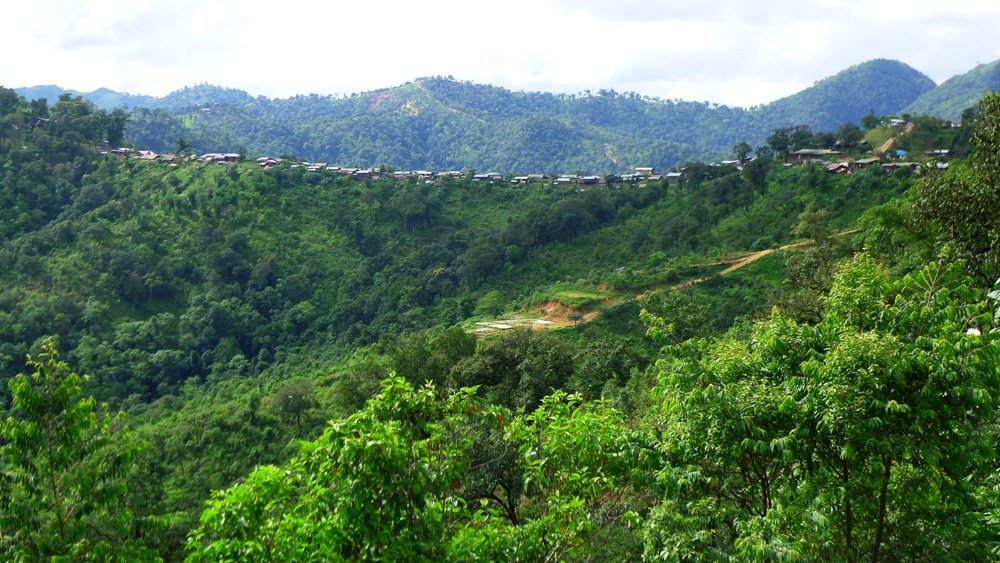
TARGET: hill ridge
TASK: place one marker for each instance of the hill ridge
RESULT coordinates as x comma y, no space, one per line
958,93
442,123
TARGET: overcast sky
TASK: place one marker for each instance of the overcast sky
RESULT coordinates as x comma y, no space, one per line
736,52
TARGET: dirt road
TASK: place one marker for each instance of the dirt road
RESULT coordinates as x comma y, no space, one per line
553,314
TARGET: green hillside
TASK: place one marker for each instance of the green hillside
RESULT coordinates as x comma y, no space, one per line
958,93
439,123
880,86
293,358
154,274
443,124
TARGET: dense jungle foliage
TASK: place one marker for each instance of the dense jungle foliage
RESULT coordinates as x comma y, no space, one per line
279,365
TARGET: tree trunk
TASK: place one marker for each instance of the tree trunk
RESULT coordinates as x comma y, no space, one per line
848,514
880,528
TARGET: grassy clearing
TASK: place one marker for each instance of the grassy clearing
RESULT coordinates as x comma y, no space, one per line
878,136
570,295
770,268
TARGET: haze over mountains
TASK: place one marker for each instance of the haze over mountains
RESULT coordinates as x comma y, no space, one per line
440,123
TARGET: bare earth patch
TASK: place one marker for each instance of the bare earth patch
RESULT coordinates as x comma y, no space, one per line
377,101
554,314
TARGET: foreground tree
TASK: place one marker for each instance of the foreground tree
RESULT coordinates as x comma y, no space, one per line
377,485
866,436
63,465
585,484
963,202
414,476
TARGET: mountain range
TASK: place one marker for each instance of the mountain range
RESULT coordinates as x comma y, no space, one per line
441,123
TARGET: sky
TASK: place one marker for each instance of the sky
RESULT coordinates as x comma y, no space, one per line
733,52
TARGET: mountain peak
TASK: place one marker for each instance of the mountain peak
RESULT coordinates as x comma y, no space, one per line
103,98
882,86
204,95
958,92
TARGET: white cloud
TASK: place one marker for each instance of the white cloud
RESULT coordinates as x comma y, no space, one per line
727,51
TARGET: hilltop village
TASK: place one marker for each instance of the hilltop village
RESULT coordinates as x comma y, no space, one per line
377,172
834,161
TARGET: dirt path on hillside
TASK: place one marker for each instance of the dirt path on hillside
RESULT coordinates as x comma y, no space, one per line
751,258
891,141
748,259
553,314
734,263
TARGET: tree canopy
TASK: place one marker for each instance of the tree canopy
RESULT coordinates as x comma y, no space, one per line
63,468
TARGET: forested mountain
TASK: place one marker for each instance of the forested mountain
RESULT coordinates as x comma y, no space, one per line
761,362
958,93
880,86
103,98
443,124
213,269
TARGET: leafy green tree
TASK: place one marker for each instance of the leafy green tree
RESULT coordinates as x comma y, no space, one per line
586,478
408,478
779,141
9,101
604,367
294,398
810,269
429,355
63,467
75,120
517,368
10,119
380,484
849,135
866,436
183,146
741,150
869,121
484,258
675,316
9,124
800,137
963,201
755,173
114,126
